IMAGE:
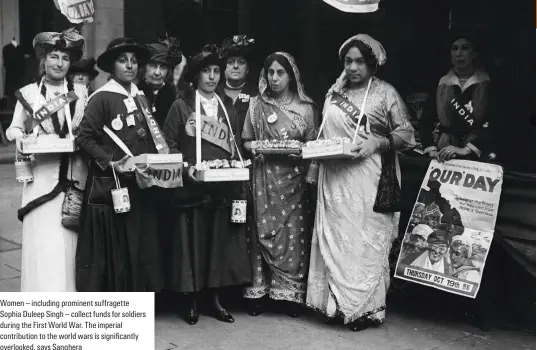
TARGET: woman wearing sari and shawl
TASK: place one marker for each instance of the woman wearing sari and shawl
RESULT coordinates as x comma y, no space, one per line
280,239
349,271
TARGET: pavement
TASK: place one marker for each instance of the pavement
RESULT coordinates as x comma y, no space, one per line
406,327
7,153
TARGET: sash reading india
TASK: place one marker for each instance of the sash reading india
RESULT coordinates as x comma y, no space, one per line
448,237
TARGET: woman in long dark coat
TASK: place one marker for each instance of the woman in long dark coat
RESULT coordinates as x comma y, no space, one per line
208,252
117,252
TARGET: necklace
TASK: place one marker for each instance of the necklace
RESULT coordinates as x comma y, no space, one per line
229,87
284,101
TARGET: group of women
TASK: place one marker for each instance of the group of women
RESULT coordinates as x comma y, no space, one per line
330,254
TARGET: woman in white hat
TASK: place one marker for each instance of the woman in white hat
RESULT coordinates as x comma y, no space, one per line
352,236
48,248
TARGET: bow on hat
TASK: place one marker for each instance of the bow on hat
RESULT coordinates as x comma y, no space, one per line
68,40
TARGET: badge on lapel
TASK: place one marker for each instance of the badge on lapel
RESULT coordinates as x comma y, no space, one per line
244,97
272,118
130,104
117,123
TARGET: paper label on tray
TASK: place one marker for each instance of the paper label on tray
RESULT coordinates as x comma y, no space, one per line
226,174
323,150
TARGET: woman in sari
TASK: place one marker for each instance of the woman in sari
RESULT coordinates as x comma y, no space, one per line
48,248
280,239
349,272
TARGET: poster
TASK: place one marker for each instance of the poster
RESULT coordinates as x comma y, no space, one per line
76,11
448,237
355,6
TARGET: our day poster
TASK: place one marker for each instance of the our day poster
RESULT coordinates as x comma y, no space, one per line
448,237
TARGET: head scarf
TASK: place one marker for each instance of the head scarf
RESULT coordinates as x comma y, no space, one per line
263,84
166,51
375,46
68,40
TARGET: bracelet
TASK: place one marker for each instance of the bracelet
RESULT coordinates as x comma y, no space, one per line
386,145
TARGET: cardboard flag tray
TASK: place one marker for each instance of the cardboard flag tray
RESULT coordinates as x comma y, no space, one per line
223,175
334,151
149,158
47,145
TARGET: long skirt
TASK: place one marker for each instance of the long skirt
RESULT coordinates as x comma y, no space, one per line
48,248
208,251
118,252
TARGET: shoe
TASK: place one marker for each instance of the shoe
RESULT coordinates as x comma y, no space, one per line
254,309
293,311
192,316
359,325
224,316
334,321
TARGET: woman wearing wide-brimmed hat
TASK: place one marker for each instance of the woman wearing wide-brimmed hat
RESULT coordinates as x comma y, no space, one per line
48,248
156,81
83,72
355,223
209,252
118,252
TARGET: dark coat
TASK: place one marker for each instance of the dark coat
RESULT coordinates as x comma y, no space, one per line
241,105
161,102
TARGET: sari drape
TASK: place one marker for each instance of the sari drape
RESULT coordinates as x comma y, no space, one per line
349,271
279,235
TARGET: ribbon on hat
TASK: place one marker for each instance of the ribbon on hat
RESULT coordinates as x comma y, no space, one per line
67,40
242,40
166,50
